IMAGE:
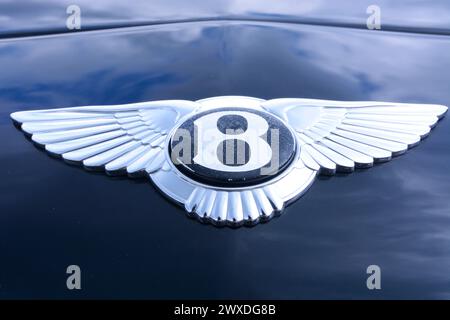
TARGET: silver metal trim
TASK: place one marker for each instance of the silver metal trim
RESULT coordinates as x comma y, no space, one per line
331,136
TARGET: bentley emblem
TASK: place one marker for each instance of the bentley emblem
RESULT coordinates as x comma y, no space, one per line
231,160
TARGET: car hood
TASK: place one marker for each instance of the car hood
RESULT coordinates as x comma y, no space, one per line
49,16
131,242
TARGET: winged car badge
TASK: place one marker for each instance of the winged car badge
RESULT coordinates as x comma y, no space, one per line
231,160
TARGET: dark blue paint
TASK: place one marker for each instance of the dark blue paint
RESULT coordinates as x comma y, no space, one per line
130,242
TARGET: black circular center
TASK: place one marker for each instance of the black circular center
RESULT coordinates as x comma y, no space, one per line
232,147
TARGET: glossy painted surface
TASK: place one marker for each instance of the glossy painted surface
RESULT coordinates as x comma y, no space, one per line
395,215
34,17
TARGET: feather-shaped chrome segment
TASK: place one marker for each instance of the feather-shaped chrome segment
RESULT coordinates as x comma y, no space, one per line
68,135
84,153
220,210
359,159
327,166
410,128
126,159
156,163
52,126
140,163
234,207
395,147
111,154
75,144
341,135
115,138
377,154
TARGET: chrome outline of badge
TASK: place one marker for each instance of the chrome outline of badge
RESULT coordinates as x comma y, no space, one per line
314,137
